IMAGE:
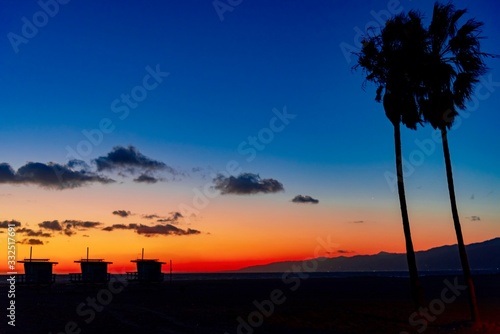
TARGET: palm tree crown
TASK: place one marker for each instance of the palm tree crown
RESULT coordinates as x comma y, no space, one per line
389,59
453,65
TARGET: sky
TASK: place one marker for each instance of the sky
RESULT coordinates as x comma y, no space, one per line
222,134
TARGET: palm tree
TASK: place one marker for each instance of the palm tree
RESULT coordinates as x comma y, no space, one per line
388,60
453,65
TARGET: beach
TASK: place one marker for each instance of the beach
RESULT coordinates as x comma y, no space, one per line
298,304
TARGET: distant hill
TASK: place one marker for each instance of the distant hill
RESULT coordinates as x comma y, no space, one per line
482,256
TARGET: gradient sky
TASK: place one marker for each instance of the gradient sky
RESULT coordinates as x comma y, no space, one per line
224,76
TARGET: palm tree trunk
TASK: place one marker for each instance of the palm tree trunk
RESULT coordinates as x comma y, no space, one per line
416,288
458,230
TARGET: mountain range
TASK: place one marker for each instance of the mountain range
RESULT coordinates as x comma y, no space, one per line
482,256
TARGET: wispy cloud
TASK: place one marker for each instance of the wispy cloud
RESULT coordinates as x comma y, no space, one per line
358,222
474,218
246,184
305,199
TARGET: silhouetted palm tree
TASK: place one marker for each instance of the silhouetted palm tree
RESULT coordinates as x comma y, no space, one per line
453,65
388,59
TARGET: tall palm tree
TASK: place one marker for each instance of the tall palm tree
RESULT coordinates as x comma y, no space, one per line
388,60
453,65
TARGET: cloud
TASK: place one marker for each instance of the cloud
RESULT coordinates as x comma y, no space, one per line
245,184
129,159
120,227
6,223
167,229
343,251
159,229
152,216
31,233
81,225
174,218
69,227
50,175
144,178
358,222
51,225
7,174
30,242
305,199
474,218
122,213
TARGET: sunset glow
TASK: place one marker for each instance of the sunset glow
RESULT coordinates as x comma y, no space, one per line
192,137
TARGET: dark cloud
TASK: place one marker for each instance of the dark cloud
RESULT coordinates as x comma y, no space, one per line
130,159
167,229
120,227
7,174
6,223
50,175
122,213
51,225
159,229
174,218
358,222
69,227
474,218
245,184
305,199
81,225
153,216
343,251
144,178
31,233
30,242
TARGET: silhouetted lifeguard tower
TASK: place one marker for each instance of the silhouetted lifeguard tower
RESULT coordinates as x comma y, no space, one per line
93,271
148,270
37,271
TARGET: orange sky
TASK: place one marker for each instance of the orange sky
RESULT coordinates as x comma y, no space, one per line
235,231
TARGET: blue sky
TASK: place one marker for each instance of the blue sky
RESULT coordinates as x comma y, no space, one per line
225,78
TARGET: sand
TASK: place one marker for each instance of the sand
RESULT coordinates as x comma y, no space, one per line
308,305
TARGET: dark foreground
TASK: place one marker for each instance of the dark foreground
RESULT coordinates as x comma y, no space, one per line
309,306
